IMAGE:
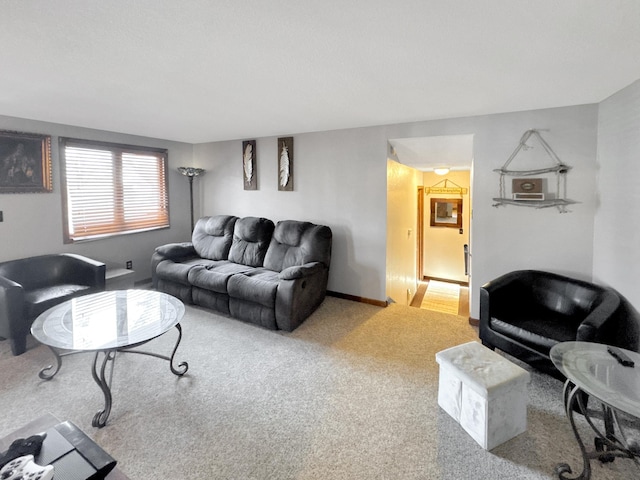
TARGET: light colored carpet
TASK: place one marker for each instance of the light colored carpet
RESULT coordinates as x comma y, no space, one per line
351,394
442,297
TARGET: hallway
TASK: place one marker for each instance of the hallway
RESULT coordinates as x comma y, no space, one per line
441,298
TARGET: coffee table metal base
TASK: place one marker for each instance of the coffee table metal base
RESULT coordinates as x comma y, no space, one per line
609,444
102,372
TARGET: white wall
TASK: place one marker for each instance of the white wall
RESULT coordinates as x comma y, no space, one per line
617,231
340,181
33,221
510,237
402,222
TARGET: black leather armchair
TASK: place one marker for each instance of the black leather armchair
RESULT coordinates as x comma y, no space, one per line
526,312
29,286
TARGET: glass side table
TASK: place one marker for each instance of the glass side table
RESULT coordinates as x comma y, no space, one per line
107,323
590,369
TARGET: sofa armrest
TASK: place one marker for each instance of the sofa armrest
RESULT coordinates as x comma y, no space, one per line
298,297
11,307
301,271
172,251
590,328
485,307
506,291
86,271
6,283
511,290
506,281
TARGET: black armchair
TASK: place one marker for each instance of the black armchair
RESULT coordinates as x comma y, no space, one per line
526,312
29,286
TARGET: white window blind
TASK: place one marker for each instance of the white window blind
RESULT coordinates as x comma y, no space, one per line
111,189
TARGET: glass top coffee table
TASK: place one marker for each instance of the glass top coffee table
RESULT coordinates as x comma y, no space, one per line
107,323
590,369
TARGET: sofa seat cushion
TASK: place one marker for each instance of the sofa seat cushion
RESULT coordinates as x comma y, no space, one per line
178,272
214,277
41,299
537,328
253,313
257,286
209,299
178,290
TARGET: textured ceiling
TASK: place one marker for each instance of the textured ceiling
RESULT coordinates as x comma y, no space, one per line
203,70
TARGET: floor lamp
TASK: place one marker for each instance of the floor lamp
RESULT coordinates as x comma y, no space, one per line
190,173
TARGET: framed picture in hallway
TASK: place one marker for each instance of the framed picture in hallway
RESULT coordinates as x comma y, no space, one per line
446,212
25,162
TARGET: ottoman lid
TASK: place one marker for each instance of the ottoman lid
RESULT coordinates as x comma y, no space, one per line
481,368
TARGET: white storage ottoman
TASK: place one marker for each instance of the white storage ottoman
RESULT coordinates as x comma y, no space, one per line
484,392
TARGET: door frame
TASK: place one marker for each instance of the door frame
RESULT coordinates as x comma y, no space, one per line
420,234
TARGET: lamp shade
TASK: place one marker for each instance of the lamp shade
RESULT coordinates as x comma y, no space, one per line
191,171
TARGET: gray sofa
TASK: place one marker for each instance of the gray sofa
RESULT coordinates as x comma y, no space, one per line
29,286
271,275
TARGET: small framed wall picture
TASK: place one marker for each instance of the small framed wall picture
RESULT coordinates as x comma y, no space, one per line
527,188
285,164
249,172
446,212
25,162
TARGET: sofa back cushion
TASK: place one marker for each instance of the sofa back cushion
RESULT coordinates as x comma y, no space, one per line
42,271
212,236
296,243
570,297
251,237
535,290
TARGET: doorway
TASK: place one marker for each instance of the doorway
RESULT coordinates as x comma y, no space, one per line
442,248
446,223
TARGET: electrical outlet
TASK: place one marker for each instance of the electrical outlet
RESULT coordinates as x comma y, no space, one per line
129,264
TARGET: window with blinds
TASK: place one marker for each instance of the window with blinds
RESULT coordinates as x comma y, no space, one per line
111,189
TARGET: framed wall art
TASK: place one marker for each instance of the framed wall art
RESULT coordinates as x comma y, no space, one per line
446,212
249,172
285,164
25,162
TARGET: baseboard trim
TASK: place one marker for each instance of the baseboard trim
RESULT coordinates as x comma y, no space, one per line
354,298
474,322
416,301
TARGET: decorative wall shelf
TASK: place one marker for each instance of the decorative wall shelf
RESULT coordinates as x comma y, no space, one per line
558,171
525,173
556,202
